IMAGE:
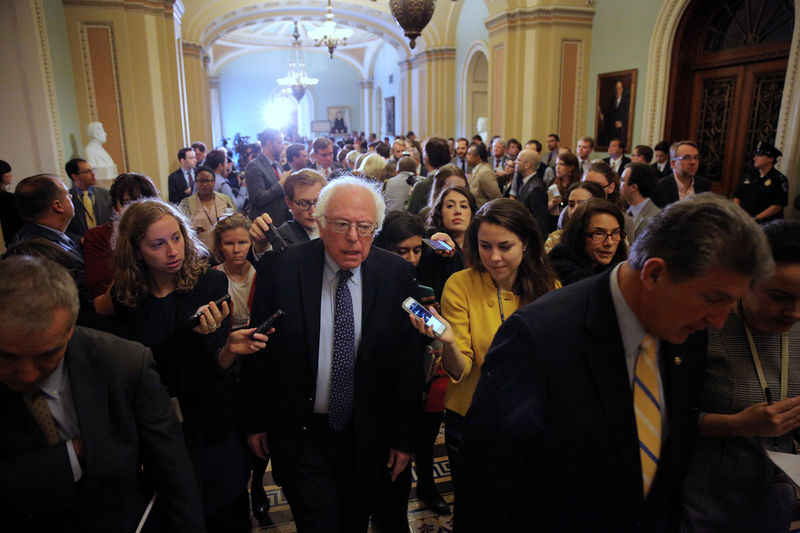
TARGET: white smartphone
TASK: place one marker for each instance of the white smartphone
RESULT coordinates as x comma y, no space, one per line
415,308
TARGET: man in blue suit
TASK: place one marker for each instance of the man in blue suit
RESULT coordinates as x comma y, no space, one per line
556,439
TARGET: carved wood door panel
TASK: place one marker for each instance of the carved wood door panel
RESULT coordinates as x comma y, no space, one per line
731,109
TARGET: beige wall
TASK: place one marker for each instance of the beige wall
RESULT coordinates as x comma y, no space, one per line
138,101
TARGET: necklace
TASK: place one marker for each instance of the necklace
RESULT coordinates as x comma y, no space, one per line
232,277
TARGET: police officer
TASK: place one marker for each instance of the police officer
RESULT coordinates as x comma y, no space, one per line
765,192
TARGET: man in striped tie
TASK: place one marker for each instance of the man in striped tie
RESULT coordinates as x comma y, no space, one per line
584,415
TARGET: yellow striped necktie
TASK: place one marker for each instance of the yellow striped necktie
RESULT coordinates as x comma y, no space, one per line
647,405
89,208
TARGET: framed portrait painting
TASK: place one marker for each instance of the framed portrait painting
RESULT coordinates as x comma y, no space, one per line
388,103
339,117
616,95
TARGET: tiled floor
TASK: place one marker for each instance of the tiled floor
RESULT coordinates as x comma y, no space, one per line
420,518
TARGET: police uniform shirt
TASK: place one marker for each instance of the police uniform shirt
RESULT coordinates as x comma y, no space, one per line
758,193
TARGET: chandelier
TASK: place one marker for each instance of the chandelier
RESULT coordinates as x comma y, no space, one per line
328,34
296,81
412,16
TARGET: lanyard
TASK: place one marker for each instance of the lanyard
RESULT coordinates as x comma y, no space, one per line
500,305
757,360
208,215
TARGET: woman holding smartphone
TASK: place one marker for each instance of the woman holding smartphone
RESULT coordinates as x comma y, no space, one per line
161,279
509,269
448,221
402,233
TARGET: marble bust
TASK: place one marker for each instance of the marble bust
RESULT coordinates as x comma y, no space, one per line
483,128
96,155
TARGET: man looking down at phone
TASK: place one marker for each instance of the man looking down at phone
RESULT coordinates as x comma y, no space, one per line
334,399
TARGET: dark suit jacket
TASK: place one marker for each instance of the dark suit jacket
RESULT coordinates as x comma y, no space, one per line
661,173
177,186
265,191
9,217
534,196
293,233
554,399
70,245
125,420
625,162
102,210
279,383
667,190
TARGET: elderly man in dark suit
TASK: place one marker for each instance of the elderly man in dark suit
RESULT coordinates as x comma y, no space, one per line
684,181
87,432
590,390
265,179
92,205
335,398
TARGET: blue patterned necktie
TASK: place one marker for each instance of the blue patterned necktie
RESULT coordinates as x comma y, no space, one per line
340,405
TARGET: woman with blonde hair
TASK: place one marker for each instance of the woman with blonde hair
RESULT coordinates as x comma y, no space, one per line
161,281
372,167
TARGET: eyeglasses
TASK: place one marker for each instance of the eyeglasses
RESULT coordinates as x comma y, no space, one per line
365,229
87,171
687,157
305,205
600,235
204,181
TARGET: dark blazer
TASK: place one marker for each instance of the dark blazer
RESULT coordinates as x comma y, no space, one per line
293,233
102,210
624,163
279,383
555,397
265,191
9,217
534,196
177,186
661,173
667,190
125,419
70,245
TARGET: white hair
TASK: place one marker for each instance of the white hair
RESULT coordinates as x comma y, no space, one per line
350,181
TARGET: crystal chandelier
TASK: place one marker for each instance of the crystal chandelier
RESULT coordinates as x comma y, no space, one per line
328,34
296,81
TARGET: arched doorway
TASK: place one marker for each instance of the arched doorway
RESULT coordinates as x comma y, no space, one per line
726,82
476,93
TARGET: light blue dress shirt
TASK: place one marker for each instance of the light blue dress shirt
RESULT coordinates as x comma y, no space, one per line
326,315
633,334
57,392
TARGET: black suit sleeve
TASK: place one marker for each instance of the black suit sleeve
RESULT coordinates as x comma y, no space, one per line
504,423
537,205
177,187
163,451
408,385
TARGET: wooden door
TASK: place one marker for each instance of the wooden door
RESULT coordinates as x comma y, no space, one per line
731,109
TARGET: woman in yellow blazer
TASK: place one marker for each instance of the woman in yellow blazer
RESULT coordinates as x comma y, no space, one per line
509,269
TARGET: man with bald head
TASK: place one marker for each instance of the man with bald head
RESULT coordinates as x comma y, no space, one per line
530,190
335,398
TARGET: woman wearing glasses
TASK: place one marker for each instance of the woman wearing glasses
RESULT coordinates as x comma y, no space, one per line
509,269
593,241
206,206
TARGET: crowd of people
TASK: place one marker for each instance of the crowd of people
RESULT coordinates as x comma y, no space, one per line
618,349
